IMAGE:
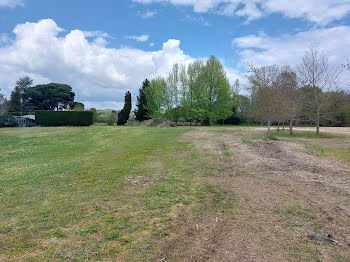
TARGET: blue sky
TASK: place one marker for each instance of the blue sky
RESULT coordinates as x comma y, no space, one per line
105,48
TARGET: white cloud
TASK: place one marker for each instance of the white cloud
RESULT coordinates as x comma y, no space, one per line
317,11
262,49
96,34
147,14
139,38
96,73
11,3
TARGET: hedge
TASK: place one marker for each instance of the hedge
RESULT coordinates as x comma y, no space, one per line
64,118
8,121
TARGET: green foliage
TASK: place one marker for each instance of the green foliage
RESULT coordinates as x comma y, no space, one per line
88,230
3,104
94,114
156,98
124,114
50,96
24,83
199,93
15,101
77,106
8,121
141,112
111,119
64,118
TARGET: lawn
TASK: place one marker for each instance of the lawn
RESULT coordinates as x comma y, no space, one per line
108,193
90,193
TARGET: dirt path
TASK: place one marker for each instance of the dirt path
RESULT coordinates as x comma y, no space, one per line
282,194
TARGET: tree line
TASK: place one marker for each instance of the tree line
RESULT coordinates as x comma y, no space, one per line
200,93
308,94
28,98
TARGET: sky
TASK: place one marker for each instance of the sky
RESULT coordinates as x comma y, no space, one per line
104,48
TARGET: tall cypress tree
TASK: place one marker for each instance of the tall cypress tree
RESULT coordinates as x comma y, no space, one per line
124,114
141,112
15,100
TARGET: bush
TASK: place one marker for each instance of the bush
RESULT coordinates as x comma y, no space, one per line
64,118
111,119
8,121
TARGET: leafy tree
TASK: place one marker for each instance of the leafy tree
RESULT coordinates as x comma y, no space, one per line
216,91
172,94
49,96
94,114
191,94
111,118
24,83
3,104
141,112
77,106
15,100
124,114
156,98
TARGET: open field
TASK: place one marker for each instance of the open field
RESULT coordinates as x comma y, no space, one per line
173,194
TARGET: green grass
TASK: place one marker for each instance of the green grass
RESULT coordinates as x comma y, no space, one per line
340,153
303,134
65,193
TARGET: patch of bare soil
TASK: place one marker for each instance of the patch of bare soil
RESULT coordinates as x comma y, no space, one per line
143,180
157,122
283,193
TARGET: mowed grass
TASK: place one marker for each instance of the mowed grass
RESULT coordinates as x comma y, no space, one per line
303,134
65,193
340,153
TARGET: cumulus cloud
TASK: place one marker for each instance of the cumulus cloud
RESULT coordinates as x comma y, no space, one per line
262,49
11,3
317,11
139,38
97,73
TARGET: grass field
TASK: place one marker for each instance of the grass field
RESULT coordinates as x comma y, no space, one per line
105,193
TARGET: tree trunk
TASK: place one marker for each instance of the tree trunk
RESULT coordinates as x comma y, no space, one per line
318,122
291,127
283,126
278,126
269,127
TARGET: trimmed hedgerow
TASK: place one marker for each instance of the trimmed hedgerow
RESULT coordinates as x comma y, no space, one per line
64,118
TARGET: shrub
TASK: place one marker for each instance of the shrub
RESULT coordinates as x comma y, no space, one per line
8,121
64,118
111,119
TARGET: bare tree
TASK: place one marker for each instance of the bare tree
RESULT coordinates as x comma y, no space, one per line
316,73
264,94
289,94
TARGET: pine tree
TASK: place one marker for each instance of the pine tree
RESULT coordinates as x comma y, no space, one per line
15,100
24,83
124,114
141,112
